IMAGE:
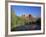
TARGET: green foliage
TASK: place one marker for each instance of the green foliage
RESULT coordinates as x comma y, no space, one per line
13,19
16,20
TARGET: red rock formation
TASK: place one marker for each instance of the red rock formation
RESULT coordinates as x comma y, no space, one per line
28,17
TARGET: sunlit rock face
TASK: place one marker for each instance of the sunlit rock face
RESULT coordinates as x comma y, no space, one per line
28,17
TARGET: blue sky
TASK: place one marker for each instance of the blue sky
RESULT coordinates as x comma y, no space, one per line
20,10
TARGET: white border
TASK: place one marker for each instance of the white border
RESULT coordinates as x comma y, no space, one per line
23,32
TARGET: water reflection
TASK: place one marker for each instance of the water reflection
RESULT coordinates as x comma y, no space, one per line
27,27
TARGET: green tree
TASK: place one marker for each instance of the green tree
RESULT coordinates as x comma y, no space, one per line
13,19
